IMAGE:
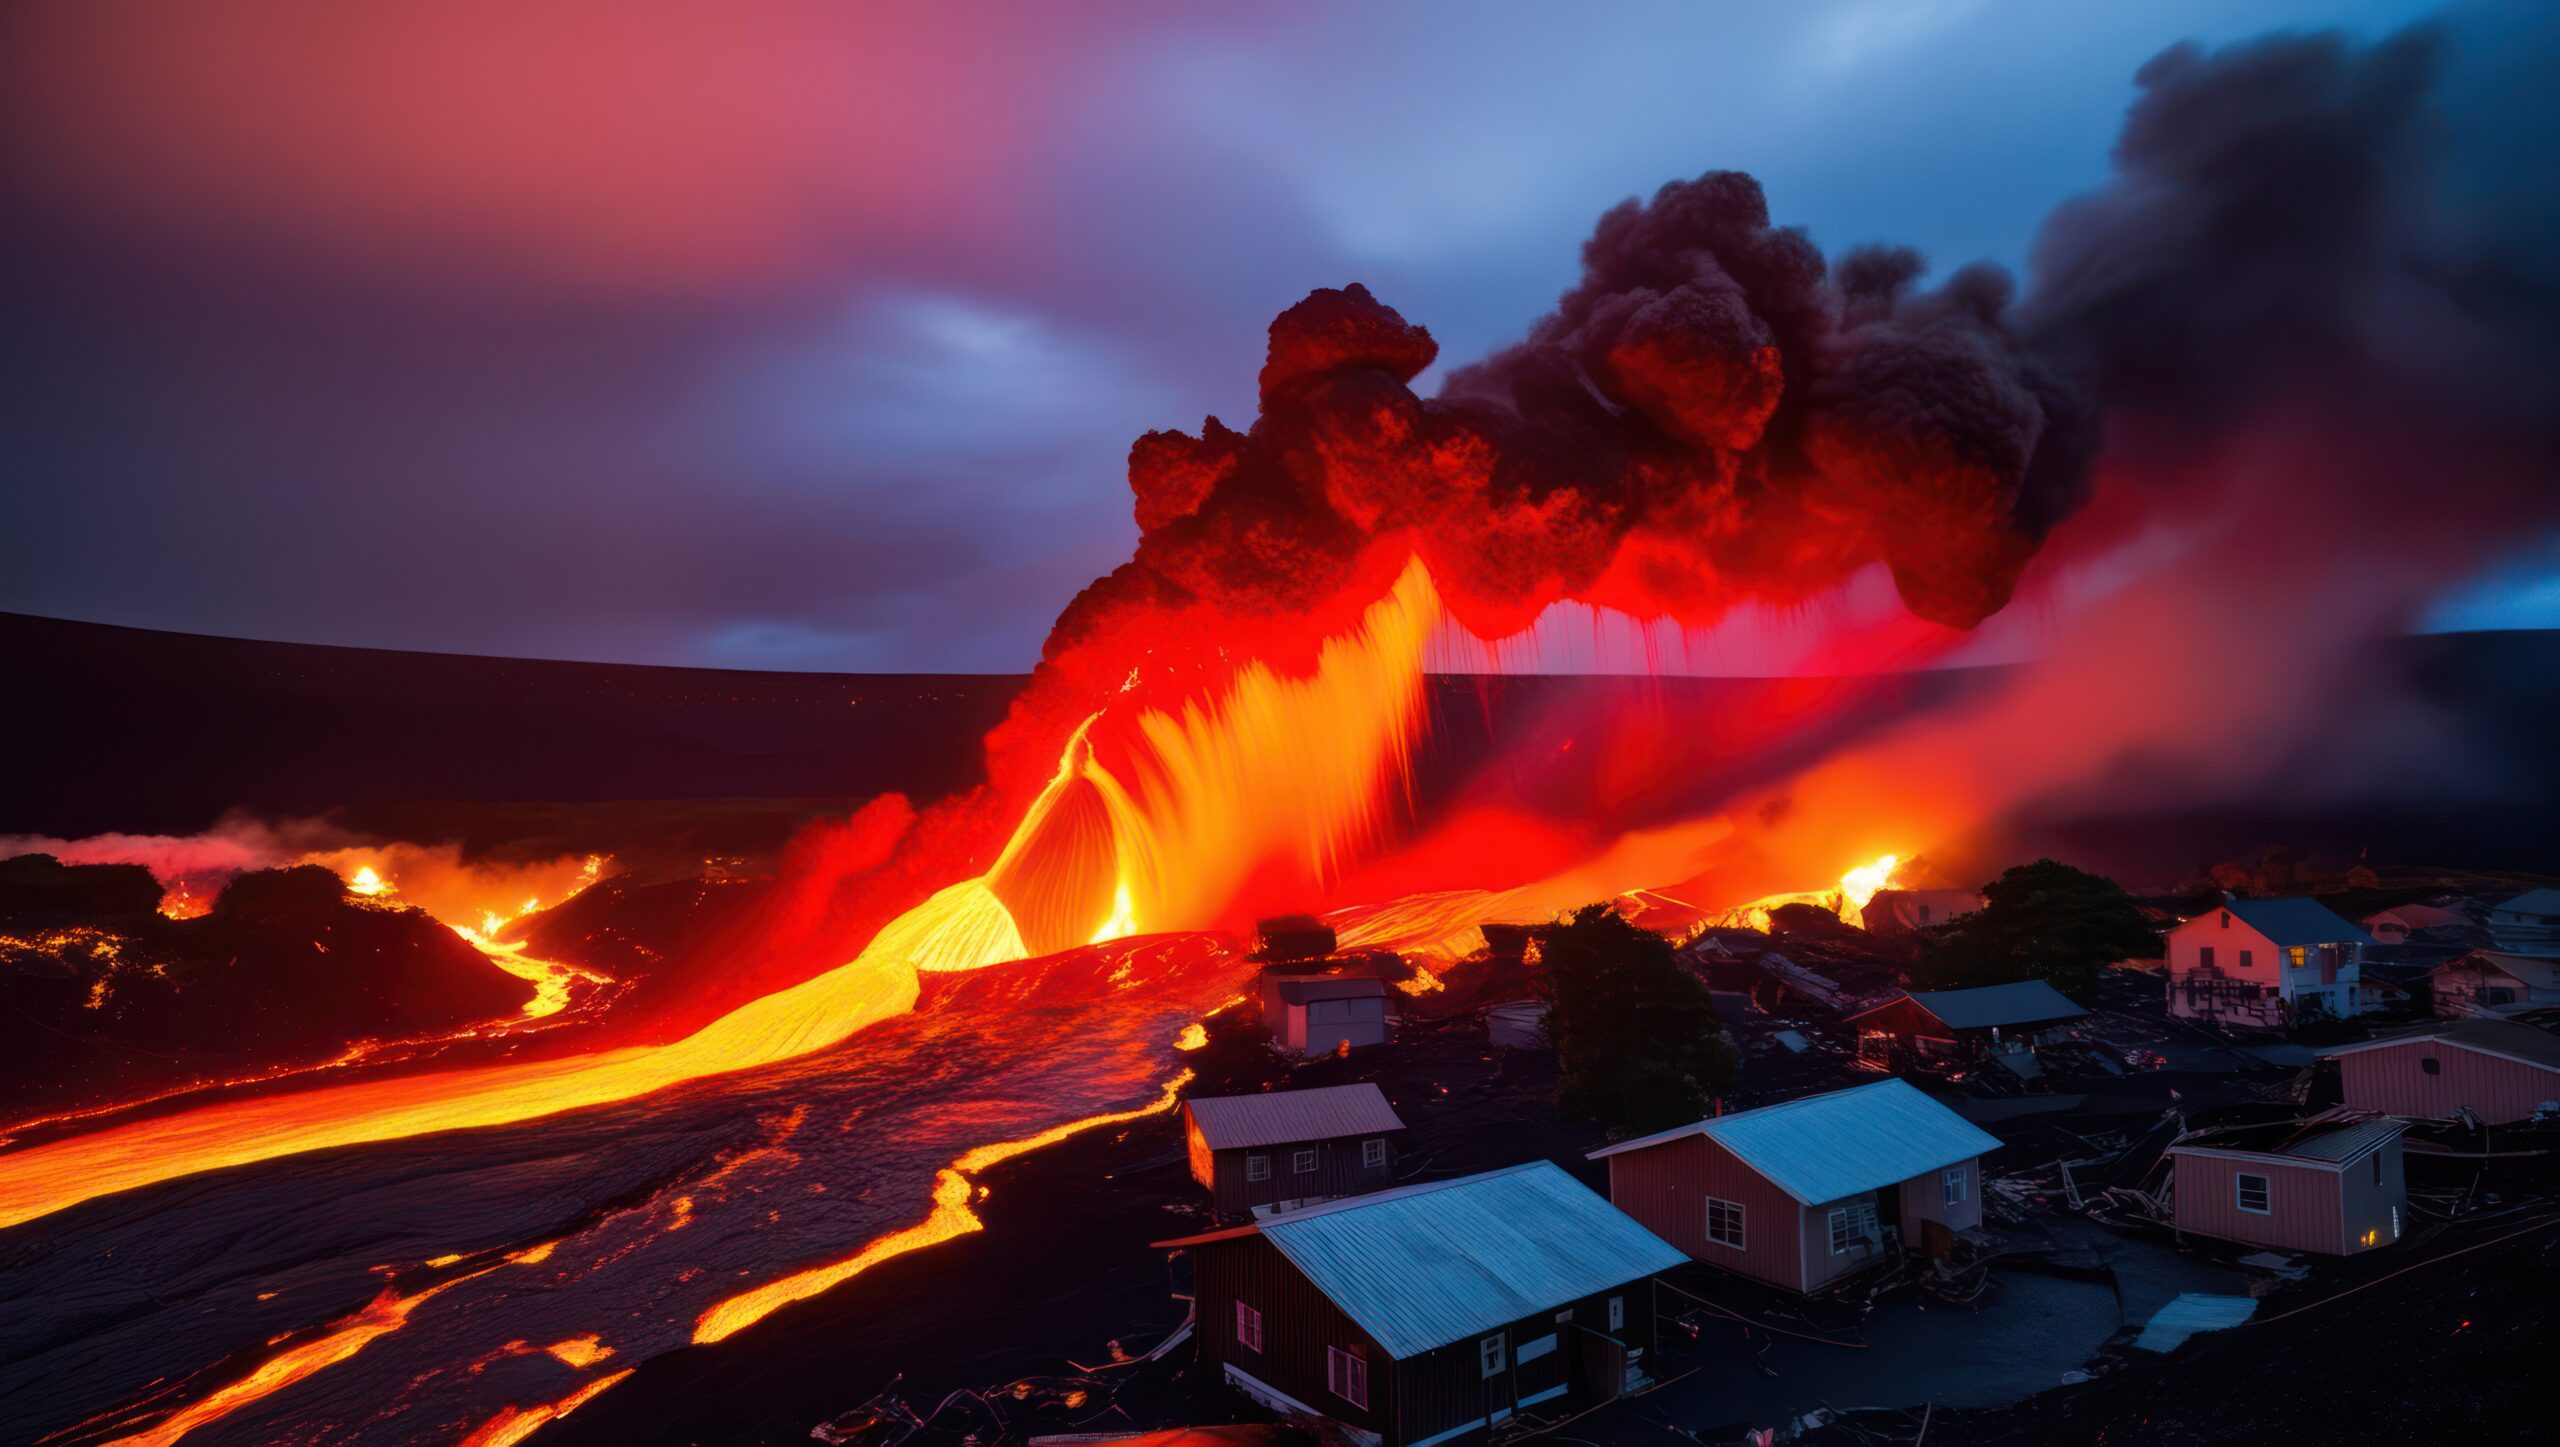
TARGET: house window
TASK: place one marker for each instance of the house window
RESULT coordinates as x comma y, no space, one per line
1565,1317
1373,1154
2248,958
2431,1065
1724,1222
2204,958
1302,1162
2226,919
1490,1353
2297,956
2252,1193
1617,1313
1257,1168
1346,1376
1248,1328
1853,1226
1959,1184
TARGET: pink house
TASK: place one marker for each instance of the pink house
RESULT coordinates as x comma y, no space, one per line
2499,1070
2331,1185
2266,964
1805,1192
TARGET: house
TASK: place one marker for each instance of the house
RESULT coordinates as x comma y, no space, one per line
2528,924
2265,964
2499,1070
2331,1185
1431,1313
2394,926
1805,1192
1319,1014
1964,1027
1290,1148
2487,982
1901,911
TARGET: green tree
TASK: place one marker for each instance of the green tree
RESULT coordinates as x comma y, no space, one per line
2044,920
1636,1035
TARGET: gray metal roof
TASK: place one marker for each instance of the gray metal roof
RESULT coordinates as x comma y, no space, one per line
2533,902
2294,921
2345,1143
2025,1002
1280,1117
1824,1147
1425,1266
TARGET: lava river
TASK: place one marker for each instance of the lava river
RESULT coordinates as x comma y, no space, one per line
466,1286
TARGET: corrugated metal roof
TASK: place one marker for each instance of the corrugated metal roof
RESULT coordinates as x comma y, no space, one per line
2024,1002
2533,902
1425,1266
2510,1038
2295,921
1824,1147
1278,1117
2345,1143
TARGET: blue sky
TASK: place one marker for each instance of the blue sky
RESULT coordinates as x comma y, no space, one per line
819,342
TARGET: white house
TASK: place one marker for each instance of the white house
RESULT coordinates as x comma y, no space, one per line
2528,924
2487,982
1319,1014
2266,964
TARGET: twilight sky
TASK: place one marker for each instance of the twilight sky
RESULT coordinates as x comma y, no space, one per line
816,337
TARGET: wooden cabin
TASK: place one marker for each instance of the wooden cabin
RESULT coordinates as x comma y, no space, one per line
1320,1014
1956,1028
1802,1193
1289,1148
2331,1186
2499,1070
1433,1313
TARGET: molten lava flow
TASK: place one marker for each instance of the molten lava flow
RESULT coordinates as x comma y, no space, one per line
517,1423
367,882
1848,899
1179,809
950,1217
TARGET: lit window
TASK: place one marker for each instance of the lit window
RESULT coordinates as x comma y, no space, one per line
1618,1309
1724,1222
1346,1376
2298,956
1257,1168
1303,1162
1959,1184
1490,1353
1248,1328
1373,1154
2252,1193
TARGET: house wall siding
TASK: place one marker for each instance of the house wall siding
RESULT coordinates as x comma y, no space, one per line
2304,1210
1338,1172
1924,1198
1298,1324
1665,1188
2394,1080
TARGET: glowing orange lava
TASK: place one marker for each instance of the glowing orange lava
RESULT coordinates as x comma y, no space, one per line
950,1217
1848,899
514,1424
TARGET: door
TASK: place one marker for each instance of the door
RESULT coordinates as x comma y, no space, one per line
1599,1368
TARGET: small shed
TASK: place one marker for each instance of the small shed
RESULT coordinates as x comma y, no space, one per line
1963,1026
1432,1313
2499,1070
2394,926
1289,1148
2494,983
1802,1193
1319,1014
2331,1185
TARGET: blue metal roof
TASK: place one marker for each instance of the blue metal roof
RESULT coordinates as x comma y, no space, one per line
1425,1266
2295,921
1843,1143
2025,1002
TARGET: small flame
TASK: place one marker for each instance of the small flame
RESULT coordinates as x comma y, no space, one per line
369,883
1194,1036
